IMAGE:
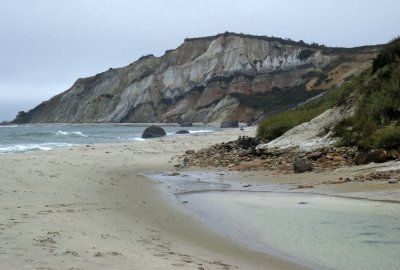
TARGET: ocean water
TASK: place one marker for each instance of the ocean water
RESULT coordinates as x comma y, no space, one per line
28,138
321,232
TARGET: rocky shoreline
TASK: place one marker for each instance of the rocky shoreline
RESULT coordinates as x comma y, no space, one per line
243,155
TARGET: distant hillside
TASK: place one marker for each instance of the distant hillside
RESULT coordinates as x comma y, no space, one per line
208,79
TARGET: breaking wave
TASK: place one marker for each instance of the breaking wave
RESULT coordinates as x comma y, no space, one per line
31,147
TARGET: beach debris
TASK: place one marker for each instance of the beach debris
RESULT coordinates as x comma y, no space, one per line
305,186
249,185
380,176
71,252
302,202
393,181
300,166
153,132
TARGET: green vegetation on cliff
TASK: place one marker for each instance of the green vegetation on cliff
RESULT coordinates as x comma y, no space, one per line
376,94
376,120
275,126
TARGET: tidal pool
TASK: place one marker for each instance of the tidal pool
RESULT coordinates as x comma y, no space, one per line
321,232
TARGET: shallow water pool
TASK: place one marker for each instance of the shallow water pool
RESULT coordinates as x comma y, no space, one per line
322,232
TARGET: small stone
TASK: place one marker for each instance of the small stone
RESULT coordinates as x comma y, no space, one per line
338,159
393,181
314,155
190,152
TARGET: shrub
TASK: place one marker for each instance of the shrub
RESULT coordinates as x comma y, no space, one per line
388,55
375,121
304,54
388,137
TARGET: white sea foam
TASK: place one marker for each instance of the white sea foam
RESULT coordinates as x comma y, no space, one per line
201,131
73,133
8,126
137,139
31,147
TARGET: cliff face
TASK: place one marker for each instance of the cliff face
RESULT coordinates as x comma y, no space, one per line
228,76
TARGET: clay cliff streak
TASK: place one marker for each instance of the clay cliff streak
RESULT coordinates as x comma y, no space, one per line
228,76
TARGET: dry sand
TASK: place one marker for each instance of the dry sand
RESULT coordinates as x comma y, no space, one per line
90,207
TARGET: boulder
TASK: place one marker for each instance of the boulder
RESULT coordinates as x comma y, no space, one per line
301,166
230,124
186,124
153,132
182,132
379,155
375,155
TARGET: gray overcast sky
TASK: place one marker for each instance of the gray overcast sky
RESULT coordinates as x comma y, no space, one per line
45,45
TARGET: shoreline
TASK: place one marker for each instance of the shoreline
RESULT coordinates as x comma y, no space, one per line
92,208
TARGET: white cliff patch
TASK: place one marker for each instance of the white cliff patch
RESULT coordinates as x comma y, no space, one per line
313,134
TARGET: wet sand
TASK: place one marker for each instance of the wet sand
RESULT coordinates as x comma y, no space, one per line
91,207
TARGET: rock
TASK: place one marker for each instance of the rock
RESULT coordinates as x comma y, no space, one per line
315,155
301,166
361,158
247,142
338,159
230,124
375,155
394,153
379,155
182,132
190,152
5,123
186,124
393,181
153,132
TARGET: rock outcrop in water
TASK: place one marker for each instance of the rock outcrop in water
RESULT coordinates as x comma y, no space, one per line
210,79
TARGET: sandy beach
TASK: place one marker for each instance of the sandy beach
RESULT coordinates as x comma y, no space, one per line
92,207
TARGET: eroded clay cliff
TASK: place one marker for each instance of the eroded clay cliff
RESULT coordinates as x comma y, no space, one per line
228,76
